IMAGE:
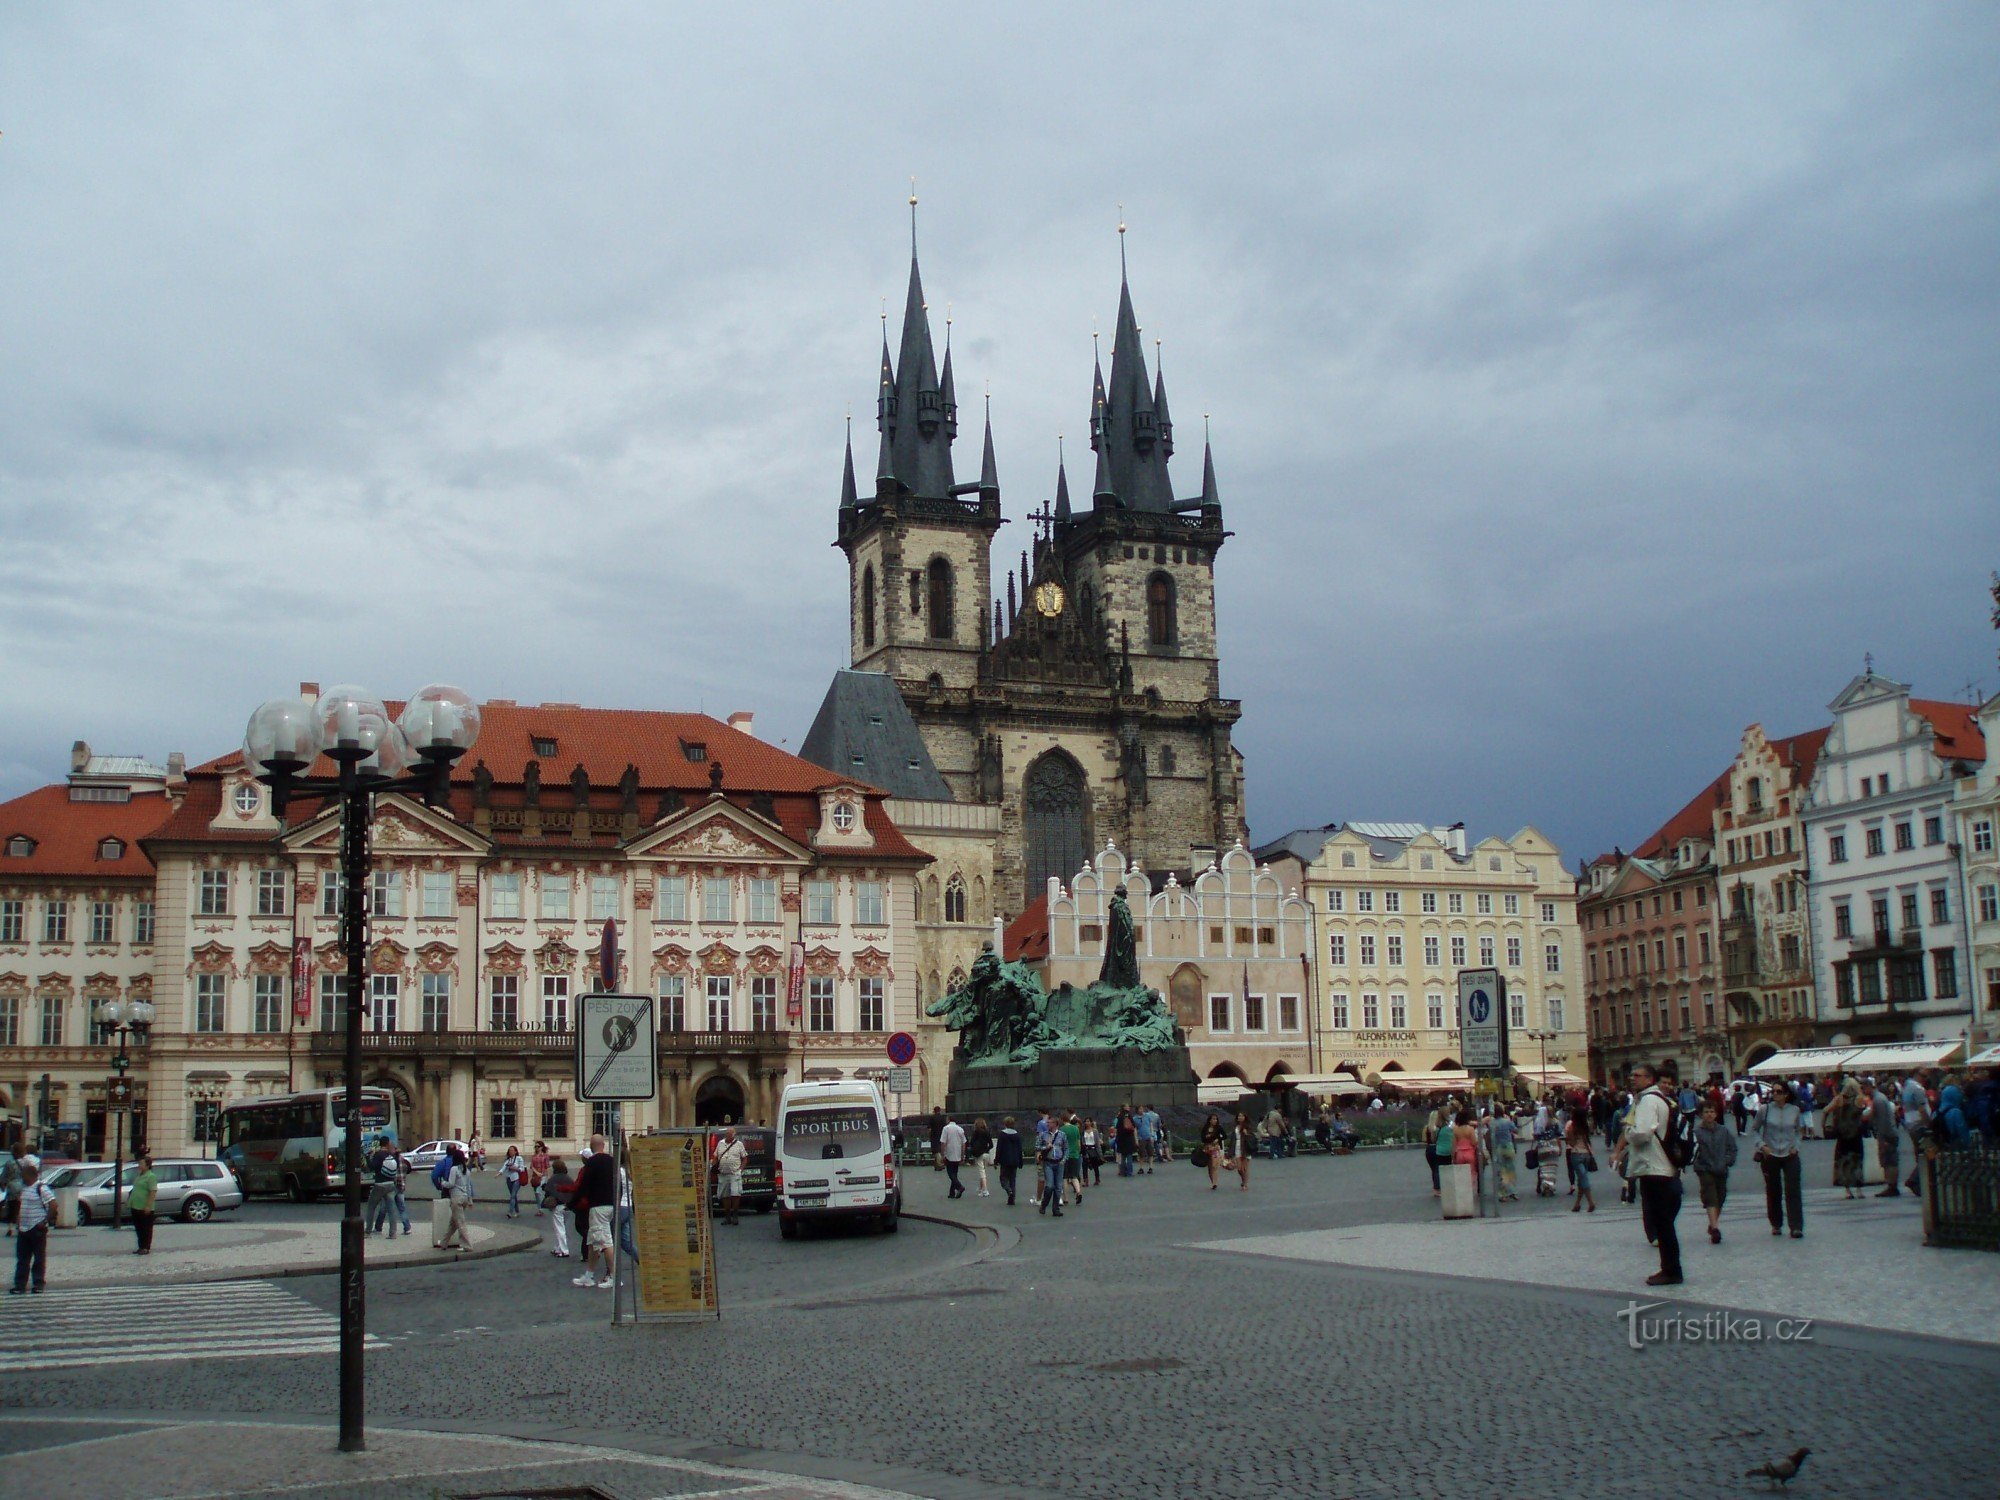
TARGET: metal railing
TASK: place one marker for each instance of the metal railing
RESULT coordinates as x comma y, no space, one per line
1962,1198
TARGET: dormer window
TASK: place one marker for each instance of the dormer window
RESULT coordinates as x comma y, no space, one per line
694,751
843,817
545,746
20,846
247,798
111,849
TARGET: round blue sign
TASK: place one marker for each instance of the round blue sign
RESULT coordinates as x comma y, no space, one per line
1479,1007
902,1047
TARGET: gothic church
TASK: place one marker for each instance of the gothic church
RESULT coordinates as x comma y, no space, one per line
1081,698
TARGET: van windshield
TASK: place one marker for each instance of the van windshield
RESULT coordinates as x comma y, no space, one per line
833,1132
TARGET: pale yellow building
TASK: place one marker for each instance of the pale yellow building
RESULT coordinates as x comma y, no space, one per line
1399,909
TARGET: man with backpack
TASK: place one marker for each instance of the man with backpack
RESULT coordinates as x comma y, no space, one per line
1654,1147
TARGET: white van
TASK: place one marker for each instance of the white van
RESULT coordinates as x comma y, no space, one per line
835,1157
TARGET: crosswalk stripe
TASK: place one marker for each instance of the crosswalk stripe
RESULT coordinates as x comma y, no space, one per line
134,1325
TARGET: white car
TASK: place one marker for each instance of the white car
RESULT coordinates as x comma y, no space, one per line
429,1153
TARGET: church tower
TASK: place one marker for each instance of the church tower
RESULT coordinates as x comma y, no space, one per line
1087,706
918,545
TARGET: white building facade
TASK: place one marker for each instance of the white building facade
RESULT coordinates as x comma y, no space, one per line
1978,812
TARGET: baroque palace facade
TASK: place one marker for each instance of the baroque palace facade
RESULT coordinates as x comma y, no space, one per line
722,860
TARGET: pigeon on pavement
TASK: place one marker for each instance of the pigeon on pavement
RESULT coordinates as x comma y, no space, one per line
1781,1470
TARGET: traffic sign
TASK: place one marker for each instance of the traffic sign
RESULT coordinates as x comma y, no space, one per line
902,1049
617,1048
1482,1019
899,1081
118,1092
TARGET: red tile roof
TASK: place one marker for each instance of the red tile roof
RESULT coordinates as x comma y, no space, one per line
604,741
1026,938
68,834
1959,736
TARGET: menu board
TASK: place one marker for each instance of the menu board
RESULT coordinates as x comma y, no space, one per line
675,1274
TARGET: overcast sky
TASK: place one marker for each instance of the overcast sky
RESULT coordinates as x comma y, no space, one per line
1586,382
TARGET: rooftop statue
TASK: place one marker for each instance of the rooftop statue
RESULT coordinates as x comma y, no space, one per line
1003,1015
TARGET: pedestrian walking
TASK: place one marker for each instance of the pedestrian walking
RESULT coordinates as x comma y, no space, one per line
1779,1124
1916,1103
476,1149
538,1173
1880,1113
1437,1150
594,1203
1844,1120
1714,1155
1093,1153
514,1173
1007,1156
1052,1159
458,1192
1242,1146
1739,1103
30,1213
10,1189
951,1151
1163,1141
1072,1133
1125,1140
145,1195
937,1134
1145,1132
556,1190
978,1148
1211,1148
730,1157
1045,1126
381,1169
1643,1150
1582,1159
1503,1153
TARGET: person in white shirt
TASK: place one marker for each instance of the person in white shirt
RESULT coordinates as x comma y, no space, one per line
730,1157
31,1211
951,1147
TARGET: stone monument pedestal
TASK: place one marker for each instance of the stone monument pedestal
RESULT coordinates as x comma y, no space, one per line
1091,1080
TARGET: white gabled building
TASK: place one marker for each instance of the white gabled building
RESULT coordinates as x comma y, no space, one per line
1889,935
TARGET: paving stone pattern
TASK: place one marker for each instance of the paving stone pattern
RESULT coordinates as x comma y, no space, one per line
1180,1371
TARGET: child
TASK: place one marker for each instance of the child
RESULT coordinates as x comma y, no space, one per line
555,1198
1714,1155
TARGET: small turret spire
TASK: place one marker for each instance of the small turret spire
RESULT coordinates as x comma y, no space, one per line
1062,484
989,472
848,499
1208,491
1103,489
1166,423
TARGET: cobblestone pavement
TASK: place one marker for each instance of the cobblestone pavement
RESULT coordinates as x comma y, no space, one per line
1182,1370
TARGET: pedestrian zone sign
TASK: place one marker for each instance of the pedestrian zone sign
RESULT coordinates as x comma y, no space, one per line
1482,1019
617,1048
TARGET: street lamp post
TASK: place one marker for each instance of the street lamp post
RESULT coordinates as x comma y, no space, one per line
1544,1037
123,1019
370,753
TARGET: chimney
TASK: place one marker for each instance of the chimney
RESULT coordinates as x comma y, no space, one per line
742,719
177,778
79,757
309,691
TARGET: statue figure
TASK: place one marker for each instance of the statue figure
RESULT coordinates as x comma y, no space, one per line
1121,954
482,785
628,791
579,785
715,778
531,784
1003,1015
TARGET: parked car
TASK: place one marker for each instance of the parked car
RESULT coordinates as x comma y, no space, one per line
428,1154
191,1190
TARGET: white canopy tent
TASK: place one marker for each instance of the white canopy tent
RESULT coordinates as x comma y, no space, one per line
1553,1077
1427,1083
1894,1057
1341,1085
1987,1057
1222,1090
1803,1062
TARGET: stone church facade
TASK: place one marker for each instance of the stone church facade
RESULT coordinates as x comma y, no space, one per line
1081,701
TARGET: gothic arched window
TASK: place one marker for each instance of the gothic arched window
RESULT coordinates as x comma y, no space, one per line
940,599
1055,806
954,900
868,605
1160,610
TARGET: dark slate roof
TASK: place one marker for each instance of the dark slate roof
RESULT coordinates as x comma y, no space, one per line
864,730
1303,844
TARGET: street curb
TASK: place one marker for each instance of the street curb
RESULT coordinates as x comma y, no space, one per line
318,1268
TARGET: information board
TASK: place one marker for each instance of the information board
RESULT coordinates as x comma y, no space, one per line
900,1081
675,1270
617,1048
1482,1019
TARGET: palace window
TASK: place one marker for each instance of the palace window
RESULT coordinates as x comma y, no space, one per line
1483,904
555,1002
503,1119
1399,1012
1253,1012
1989,903
1392,901
1982,836
555,1119
12,920
1336,899
437,1002
819,903
1432,950
1336,946
1367,950
868,903
718,899
384,990
271,893
332,1001
1933,829
1836,848
555,897
673,1002
1434,1011
763,1002
1940,905
1371,1012
1336,1010
1486,953
720,987
1552,958
1555,1003
439,896
1218,1013
1160,622
210,994
504,1002
212,895
1454,903
819,1004
1517,1010
872,1007
763,900
1428,903
267,1003
1872,840
1944,973
1513,953
670,899
506,897
1906,837
1458,952
52,1020
603,897
1364,900
1288,1012
103,922
1395,944
1510,905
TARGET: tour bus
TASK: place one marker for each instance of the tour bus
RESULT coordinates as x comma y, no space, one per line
291,1143
835,1158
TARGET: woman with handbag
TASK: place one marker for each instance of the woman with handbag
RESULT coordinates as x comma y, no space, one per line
1582,1160
1243,1145
1211,1149
1780,1124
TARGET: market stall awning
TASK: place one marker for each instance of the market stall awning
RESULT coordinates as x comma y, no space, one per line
1551,1077
1805,1060
1988,1057
1222,1090
1432,1082
1894,1056
1324,1083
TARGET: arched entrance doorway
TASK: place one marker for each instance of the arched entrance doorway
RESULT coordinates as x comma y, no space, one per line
718,1100
1055,806
409,1129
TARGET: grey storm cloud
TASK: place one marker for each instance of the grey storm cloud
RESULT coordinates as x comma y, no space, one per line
1586,383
